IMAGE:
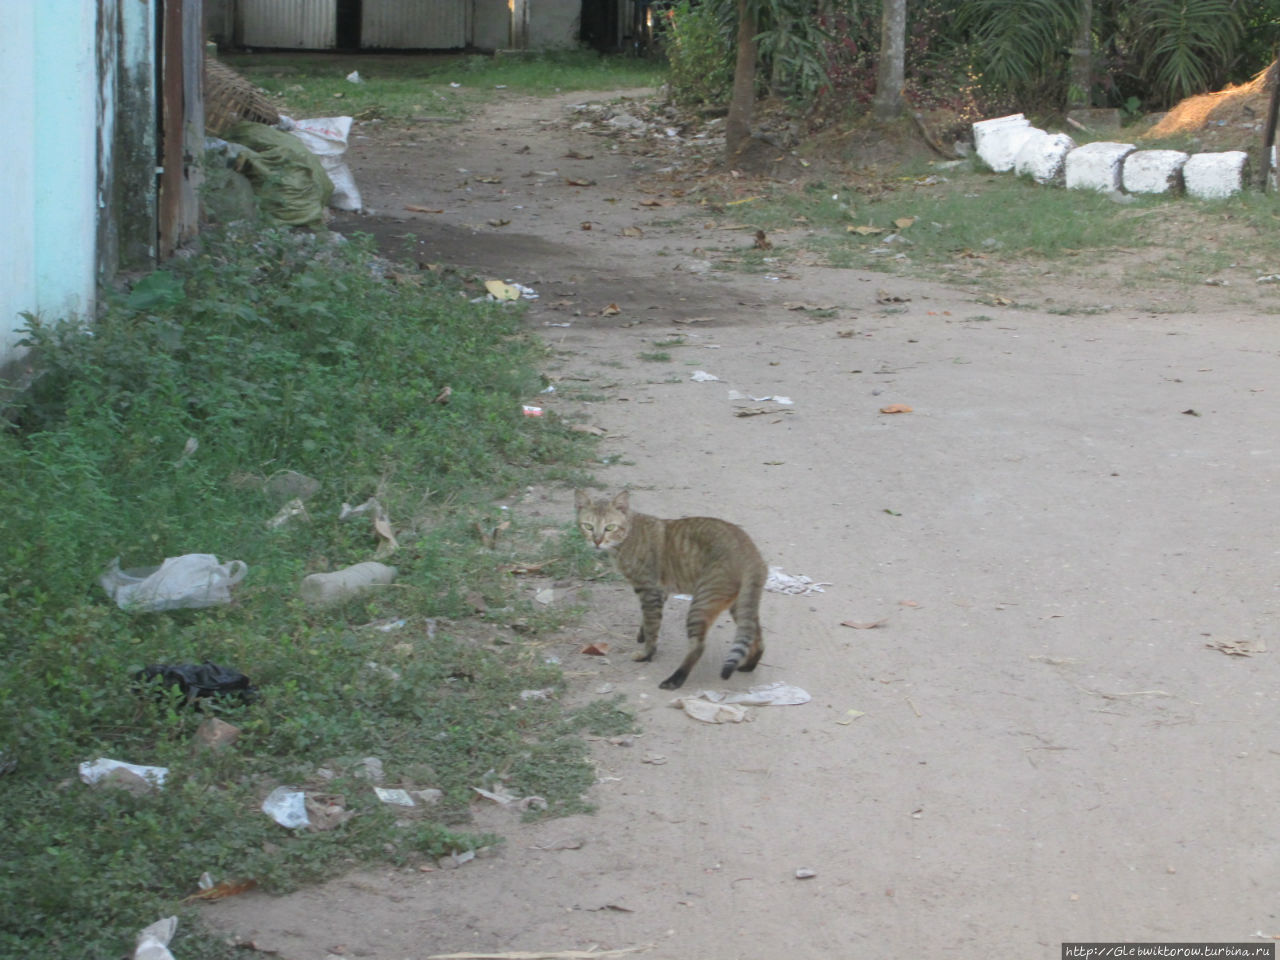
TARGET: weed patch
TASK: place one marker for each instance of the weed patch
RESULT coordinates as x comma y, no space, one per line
154,435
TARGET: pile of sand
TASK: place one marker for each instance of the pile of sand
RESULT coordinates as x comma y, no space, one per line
1236,109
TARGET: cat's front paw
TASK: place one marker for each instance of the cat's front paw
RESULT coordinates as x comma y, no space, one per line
642,656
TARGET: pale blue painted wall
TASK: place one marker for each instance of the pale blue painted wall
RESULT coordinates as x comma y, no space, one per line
17,171
49,143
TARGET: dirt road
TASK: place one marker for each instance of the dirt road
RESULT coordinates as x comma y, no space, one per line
1045,748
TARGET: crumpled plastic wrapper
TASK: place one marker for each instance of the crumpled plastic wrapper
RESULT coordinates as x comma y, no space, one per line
798,586
720,706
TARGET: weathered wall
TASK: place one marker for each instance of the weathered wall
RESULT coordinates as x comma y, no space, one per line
553,24
49,193
491,25
17,226
133,184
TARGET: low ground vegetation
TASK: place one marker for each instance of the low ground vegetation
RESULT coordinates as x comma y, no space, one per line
155,434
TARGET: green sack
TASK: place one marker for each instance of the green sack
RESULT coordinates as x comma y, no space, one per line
291,185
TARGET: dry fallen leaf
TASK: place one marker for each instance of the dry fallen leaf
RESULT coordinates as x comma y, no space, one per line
611,310
864,625
525,569
443,396
896,408
575,155
579,182
414,208
595,649
499,222
864,231
487,179
632,232
903,222
222,890
586,224
884,296
651,203
762,241
587,428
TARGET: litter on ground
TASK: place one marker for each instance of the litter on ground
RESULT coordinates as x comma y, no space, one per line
798,585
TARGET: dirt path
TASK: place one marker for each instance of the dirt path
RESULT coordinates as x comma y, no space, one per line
1047,749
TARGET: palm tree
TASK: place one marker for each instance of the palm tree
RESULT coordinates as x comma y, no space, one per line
1176,47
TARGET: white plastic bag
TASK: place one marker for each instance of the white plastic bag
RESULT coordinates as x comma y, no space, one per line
190,581
326,137
153,941
287,807
92,771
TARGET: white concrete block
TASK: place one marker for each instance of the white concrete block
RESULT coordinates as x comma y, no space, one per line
1043,156
1210,176
1097,166
1153,171
998,141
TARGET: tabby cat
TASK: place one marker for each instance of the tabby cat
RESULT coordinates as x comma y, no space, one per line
711,559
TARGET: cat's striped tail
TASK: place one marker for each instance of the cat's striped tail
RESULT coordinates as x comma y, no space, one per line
748,642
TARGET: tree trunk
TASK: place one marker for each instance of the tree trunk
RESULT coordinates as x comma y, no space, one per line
737,127
891,66
1080,80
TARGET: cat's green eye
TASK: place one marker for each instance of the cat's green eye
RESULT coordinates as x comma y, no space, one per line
587,526
610,527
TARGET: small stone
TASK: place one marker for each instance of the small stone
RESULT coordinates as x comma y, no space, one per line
216,734
288,485
370,768
804,873
128,781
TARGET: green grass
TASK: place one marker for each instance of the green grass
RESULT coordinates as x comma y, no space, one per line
402,87
981,225
272,350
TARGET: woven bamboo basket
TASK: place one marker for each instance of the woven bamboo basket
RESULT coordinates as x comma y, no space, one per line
230,98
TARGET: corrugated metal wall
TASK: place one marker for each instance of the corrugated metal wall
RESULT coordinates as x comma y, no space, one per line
410,24
415,25
291,24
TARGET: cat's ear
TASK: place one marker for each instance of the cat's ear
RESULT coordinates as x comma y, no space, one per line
581,500
623,501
